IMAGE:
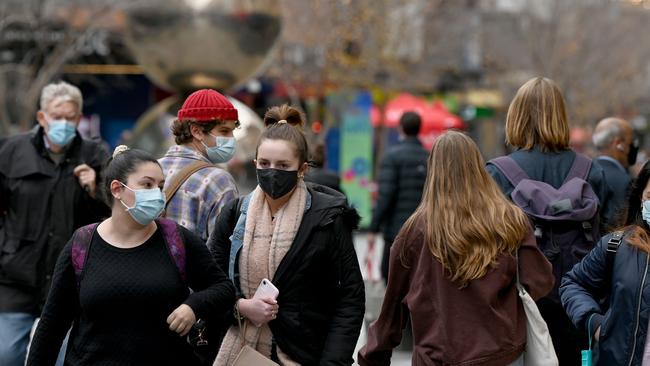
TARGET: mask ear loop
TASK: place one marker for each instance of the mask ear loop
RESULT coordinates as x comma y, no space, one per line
122,202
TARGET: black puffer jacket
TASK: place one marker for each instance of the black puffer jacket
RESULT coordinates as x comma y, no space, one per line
43,204
322,299
402,174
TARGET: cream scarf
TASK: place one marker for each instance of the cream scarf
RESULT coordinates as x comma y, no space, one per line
266,242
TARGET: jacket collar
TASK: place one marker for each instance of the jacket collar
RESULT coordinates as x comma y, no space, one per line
613,161
182,151
38,140
412,140
326,205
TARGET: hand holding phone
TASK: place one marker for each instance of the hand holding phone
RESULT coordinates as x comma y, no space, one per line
266,290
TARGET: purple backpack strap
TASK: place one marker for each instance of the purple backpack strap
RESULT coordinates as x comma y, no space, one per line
80,247
580,168
174,243
510,169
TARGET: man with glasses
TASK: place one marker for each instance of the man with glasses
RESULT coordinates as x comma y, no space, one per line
617,147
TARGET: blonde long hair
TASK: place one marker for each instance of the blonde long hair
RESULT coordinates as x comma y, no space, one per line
537,116
466,219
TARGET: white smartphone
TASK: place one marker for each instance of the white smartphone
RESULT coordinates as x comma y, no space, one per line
265,290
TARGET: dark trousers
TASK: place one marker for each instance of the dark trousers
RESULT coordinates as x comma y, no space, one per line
567,340
385,259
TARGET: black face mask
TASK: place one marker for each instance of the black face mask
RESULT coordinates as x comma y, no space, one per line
634,150
275,182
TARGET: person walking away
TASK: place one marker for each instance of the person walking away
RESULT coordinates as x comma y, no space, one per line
453,269
568,193
402,173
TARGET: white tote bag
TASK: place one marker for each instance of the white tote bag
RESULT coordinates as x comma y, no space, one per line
539,347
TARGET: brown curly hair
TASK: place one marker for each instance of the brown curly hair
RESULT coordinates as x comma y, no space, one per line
182,130
292,115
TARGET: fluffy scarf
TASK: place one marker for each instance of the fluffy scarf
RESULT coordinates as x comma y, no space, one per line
266,241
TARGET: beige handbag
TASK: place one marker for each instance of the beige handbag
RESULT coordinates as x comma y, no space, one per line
248,356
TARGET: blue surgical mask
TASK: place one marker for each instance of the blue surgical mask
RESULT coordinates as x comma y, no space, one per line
149,204
645,211
61,131
222,151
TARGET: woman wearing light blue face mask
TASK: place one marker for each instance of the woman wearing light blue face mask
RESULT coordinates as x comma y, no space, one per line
196,188
616,270
133,285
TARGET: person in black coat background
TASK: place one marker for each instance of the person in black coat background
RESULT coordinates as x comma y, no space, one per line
318,174
48,179
299,236
402,174
617,149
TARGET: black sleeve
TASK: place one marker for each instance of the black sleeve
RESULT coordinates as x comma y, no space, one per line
61,308
596,179
4,196
350,301
214,294
219,241
388,187
93,209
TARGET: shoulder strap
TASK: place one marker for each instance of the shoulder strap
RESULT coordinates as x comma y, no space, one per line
181,177
81,241
612,247
175,245
510,169
580,168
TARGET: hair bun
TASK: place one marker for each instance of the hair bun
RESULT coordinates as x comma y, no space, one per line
120,149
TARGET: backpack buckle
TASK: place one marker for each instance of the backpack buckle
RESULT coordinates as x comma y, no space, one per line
614,242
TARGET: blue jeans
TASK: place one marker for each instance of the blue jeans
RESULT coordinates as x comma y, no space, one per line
14,339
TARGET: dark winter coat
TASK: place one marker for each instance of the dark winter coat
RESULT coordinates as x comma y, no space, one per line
624,321
618,182
402,174
324,177
43,204
322,299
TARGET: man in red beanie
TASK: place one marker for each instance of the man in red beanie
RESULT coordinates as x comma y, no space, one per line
195,187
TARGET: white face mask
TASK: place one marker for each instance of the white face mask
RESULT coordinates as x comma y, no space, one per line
149,204
645,211
61,131
222,151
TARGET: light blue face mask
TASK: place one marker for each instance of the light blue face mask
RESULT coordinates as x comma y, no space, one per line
149,204
223,150
61,131
645,211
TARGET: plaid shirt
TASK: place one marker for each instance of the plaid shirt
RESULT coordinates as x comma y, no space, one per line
199,199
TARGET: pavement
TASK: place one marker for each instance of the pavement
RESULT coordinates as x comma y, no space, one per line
370,262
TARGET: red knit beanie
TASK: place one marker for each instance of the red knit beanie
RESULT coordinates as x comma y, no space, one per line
206,105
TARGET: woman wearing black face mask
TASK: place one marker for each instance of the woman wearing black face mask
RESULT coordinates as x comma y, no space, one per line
298,236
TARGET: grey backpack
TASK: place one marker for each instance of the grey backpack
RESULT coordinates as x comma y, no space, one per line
565,219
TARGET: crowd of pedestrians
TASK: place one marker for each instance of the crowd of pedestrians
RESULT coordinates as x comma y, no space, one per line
131,259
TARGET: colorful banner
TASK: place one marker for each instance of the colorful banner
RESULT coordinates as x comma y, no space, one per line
352,110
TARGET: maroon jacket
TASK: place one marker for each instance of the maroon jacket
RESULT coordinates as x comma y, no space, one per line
481,324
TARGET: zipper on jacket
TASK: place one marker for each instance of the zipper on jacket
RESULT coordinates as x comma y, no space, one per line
638,309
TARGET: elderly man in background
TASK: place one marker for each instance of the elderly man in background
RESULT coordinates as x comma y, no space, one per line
48,188
617,150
